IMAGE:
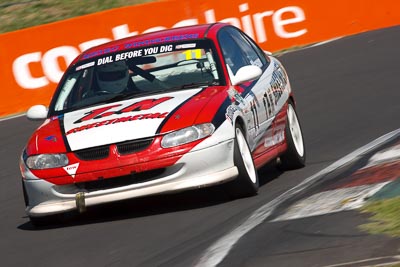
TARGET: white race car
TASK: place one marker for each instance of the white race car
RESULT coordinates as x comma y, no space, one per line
161,112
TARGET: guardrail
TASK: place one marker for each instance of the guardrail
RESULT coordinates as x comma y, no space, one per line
34,59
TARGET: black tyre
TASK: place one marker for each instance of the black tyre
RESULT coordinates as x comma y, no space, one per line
295,155
246,184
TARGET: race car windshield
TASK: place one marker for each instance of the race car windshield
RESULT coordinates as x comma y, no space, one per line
111,75
145,70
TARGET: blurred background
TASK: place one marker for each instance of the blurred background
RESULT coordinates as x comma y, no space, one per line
16,15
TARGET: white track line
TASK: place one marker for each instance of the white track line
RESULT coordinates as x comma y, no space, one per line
220,249
389,260
12,117
326,42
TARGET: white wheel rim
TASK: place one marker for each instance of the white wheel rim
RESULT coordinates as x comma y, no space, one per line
295,130
246,155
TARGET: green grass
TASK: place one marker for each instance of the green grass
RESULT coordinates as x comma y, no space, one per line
19,14
385,217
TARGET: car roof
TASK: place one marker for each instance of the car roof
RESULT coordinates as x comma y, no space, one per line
156,38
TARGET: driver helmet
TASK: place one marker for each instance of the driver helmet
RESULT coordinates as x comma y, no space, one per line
113,77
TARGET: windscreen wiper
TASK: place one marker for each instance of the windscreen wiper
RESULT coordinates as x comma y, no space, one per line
196,84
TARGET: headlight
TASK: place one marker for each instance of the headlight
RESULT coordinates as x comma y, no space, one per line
46,161
187,135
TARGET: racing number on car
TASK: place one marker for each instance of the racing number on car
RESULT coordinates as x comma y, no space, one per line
189,54
269,103
254,112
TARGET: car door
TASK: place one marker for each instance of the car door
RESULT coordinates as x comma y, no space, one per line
239,50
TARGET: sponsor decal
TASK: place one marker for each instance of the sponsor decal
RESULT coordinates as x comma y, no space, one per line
101,52
230,111
235,96
237,103
104,60
143,43
129,54
277,138
133,54
167,39
53,118
84,66
278,82
185,46
137,106
71,169
104,112
51,138
156,115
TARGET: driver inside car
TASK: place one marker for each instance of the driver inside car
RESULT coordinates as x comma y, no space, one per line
112,77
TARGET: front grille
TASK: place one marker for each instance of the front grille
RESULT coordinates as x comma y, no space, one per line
133,146
116,182
102,152
95,153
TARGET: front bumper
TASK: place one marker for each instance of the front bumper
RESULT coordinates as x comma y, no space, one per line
200,168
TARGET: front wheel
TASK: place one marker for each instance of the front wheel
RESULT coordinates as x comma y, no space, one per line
246,184
295,155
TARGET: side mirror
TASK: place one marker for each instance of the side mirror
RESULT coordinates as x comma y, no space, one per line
245,74
37,112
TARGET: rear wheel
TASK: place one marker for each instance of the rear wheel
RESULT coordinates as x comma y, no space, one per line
295,155
246,184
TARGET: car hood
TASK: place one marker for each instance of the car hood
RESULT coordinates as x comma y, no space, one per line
136,118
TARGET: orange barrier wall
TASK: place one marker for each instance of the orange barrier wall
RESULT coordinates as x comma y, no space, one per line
33,60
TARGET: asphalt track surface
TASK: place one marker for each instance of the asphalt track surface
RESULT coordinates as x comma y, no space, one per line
347,95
